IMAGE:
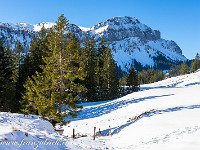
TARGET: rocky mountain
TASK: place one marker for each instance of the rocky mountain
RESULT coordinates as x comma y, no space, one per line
130,41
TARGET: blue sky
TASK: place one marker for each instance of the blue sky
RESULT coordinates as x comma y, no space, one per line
178,20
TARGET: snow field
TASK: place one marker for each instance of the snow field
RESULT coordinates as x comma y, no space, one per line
175,118
168,113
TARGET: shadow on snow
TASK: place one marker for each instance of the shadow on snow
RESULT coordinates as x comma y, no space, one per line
106,108
116,130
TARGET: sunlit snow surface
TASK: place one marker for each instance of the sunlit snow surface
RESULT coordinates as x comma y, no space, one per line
172,124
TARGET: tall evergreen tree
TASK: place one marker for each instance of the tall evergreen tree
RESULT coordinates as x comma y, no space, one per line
38,49
17,76
184,69
54,92
106,73
6,86
89,47
132,80
110,86
32,62
17,59
195,64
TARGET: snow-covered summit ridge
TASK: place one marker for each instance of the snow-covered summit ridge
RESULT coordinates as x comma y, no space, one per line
128,26
27,27
117,23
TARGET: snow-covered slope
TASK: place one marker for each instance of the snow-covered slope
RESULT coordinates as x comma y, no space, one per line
128,38
28,132
163,115
170,118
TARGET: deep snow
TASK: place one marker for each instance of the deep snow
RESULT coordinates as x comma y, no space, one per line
171,121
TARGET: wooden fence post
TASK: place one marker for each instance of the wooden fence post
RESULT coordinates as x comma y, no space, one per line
94,133
73,133
110,131
99,131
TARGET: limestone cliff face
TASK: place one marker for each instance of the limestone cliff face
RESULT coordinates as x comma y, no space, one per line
119,28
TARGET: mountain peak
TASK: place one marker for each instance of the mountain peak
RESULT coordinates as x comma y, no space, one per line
117,23
129,39
124,19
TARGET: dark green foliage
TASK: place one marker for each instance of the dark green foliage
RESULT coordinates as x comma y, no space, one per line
39,48
106,73
174,70
150,76
195,64
102,81
162,62
138,66
122,81
32,62
121,73
6,85
17,76
132,80
184,69
17,58
89,47
110,86
54,92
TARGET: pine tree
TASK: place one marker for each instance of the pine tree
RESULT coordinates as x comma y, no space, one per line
17,77
89,47
132,80
38,49
184,69
32,62
106,73
27,70
54,92
6,87
110,86
17,59
195,64
193,67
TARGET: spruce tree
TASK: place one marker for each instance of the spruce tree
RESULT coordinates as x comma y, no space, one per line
106,73
195,64
110,86
132,80
6,86
184,69
17,76
89,48
38,49
54,92
99,69
17,59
